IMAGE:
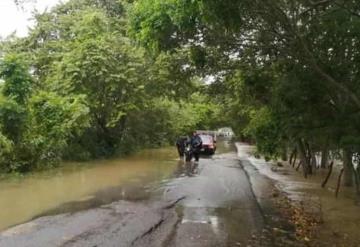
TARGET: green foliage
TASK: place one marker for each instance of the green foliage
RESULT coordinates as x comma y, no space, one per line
17,80
78,88
163,120
171,76
35,126
55,120
287,70
13,118
267,130
6,148
102,65
156,23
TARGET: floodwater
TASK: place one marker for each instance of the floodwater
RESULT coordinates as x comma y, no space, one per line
77,186
340,216
219,208
83,185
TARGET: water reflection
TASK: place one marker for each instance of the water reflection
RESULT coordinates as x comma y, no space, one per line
189,169
76,187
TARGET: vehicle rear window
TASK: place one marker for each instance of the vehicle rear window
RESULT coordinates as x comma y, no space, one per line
206,138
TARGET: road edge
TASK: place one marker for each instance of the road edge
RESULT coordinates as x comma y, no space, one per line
278,227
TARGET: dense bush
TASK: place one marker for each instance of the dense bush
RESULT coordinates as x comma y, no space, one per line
78,88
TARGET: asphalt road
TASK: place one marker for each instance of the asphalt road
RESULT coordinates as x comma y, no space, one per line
206,204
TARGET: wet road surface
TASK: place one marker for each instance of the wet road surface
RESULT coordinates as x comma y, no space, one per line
219,208
206,204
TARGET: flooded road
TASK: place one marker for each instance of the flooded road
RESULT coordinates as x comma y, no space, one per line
219,208
340,216
153,199
79,186
150,199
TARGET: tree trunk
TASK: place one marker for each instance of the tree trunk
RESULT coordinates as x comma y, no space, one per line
313,161
292,155
357,180
328,175
295,157
339,182
308,155
313,63
348,168
298,166
324,157
284,154
303,157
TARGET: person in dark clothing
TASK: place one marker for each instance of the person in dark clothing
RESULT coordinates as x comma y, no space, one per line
180,145
196,145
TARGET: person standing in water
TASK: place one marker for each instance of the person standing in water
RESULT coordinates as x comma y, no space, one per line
181,144
196,144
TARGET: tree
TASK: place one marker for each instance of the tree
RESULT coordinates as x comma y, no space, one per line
295,63
16,90
35,126
92,90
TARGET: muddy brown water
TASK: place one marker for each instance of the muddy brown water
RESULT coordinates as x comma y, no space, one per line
340,216
77,186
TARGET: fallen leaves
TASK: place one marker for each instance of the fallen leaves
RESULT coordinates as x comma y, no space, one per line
304,222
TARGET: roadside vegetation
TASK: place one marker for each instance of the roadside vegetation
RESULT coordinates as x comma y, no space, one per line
95,78
78,88
286,73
